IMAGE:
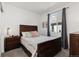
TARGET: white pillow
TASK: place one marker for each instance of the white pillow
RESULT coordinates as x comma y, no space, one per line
26,34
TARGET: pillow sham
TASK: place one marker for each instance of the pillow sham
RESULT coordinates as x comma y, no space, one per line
26,34
34,33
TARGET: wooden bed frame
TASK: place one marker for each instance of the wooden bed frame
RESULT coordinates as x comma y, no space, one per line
46,49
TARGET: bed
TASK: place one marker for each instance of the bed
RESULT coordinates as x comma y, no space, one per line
42,46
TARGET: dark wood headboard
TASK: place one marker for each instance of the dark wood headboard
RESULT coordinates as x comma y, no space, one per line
27,28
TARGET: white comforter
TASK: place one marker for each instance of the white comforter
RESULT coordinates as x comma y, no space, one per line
31,43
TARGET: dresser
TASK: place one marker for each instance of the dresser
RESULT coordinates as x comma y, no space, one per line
74,44
11,43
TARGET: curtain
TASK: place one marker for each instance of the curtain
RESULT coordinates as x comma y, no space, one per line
48,29
64,40
1,9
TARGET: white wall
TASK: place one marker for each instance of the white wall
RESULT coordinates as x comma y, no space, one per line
12,17
72,17
43,19
0,33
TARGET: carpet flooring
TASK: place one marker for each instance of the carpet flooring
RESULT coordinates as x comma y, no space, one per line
19,52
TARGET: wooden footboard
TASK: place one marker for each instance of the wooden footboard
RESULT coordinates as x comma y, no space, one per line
49,48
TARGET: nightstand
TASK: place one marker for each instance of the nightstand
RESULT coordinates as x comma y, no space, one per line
11,43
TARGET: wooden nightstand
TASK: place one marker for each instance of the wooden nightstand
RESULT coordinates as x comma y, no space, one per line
11,43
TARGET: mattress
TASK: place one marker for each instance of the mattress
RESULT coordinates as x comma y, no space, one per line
32,43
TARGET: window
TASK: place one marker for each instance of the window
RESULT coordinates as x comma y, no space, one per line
55,23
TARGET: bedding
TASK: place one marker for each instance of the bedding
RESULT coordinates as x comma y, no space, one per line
27,45
32,42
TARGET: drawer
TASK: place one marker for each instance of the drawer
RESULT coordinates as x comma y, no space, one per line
74,52
10,47
12,40
74,35
11,43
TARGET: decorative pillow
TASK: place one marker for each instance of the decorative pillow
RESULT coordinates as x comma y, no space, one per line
26,34
34,33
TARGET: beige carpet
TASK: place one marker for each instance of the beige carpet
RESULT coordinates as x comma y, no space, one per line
19,52
15,53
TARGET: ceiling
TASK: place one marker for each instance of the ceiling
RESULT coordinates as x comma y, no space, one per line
38,7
